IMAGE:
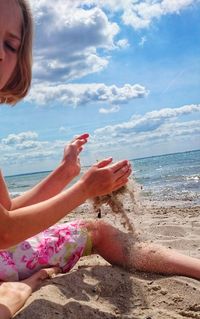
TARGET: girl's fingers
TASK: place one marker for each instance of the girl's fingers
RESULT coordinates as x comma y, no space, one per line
83,136
78,143
119,165
80,137
124,177
123,172
79,150
103,163
120,184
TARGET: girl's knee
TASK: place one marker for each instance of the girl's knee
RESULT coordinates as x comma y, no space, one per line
100,232
97,229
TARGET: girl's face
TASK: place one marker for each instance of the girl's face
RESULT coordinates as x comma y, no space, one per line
10,38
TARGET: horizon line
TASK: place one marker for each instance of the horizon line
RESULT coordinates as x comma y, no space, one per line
132,159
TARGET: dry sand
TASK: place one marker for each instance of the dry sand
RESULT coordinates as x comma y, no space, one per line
95,289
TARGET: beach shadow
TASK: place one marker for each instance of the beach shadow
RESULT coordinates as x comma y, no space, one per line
44,309
90,292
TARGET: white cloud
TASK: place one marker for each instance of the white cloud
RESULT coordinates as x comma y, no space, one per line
113,109
21,158
80,94
148,122
26,146
73,38
132,142
140,14
148,130
142,41
68,40
123,43
171,6
13,139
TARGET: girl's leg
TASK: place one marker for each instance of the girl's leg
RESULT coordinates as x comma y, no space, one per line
13,295
125,250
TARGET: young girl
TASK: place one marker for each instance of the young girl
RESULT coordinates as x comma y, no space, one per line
31,249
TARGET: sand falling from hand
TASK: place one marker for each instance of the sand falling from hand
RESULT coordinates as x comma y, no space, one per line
116,200
133,241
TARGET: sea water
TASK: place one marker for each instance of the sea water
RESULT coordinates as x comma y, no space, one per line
171,177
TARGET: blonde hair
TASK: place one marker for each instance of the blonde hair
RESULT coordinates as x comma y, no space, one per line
19,83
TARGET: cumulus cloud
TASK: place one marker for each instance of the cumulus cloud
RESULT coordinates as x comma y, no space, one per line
149,122
26,146
24,141
27,157
152,128
168,131
73,38
69,39
13,139
132,144
140,14
80,94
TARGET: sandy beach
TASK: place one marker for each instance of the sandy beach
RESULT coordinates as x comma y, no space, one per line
95,289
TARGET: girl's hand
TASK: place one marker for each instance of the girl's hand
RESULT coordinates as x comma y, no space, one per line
102,178
71,154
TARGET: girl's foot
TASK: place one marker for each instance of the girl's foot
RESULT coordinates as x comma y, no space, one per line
13,295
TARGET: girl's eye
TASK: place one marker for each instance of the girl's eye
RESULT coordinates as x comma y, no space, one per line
11,48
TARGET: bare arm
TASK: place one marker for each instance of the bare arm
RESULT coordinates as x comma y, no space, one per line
54,183
5,200
22,223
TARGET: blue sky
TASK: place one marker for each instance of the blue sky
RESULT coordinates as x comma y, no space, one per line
127,72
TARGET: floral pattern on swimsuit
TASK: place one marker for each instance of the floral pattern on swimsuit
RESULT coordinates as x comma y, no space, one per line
60,245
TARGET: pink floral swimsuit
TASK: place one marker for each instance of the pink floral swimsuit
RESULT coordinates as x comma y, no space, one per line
60,245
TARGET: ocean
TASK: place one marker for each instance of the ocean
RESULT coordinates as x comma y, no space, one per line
165,178
171,177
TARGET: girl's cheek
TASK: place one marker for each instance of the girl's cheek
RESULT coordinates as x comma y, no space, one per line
13,63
